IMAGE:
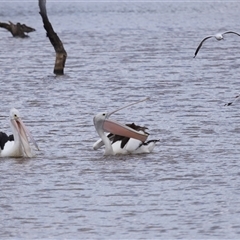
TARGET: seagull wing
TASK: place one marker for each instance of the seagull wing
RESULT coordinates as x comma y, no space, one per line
231,32
200,45
237,98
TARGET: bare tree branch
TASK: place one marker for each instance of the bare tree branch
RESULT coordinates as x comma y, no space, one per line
61,54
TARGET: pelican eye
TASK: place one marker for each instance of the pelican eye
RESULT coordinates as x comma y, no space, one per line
15,116
104,114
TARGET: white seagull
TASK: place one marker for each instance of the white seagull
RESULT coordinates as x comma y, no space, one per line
16,145
218,36
122,139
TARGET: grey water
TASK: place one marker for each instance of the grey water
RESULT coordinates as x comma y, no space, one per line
120,52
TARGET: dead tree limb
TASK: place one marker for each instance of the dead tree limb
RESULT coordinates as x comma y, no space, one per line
17,30
61,54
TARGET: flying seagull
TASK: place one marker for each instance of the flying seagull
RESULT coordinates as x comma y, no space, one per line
218,36
237,98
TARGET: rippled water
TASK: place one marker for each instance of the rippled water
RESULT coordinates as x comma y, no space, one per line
118,53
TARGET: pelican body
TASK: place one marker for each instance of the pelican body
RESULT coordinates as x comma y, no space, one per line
17,144
121,139
218,36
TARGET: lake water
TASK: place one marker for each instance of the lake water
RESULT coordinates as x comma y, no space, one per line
189,187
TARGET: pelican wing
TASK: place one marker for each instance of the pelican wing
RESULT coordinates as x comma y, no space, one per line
4,138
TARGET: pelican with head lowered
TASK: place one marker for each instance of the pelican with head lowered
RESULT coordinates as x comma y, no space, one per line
122,139
17,145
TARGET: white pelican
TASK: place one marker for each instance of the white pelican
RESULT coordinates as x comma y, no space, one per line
122,139
218,36
16,145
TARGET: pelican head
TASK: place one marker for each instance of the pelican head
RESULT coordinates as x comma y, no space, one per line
101,116
14,114
99,119
103,124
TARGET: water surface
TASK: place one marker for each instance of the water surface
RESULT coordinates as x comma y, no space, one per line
118,53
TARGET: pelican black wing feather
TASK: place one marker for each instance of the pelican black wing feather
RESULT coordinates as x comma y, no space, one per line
124,140
5,138
146,143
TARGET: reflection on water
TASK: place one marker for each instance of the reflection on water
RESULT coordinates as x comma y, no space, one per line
119,53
